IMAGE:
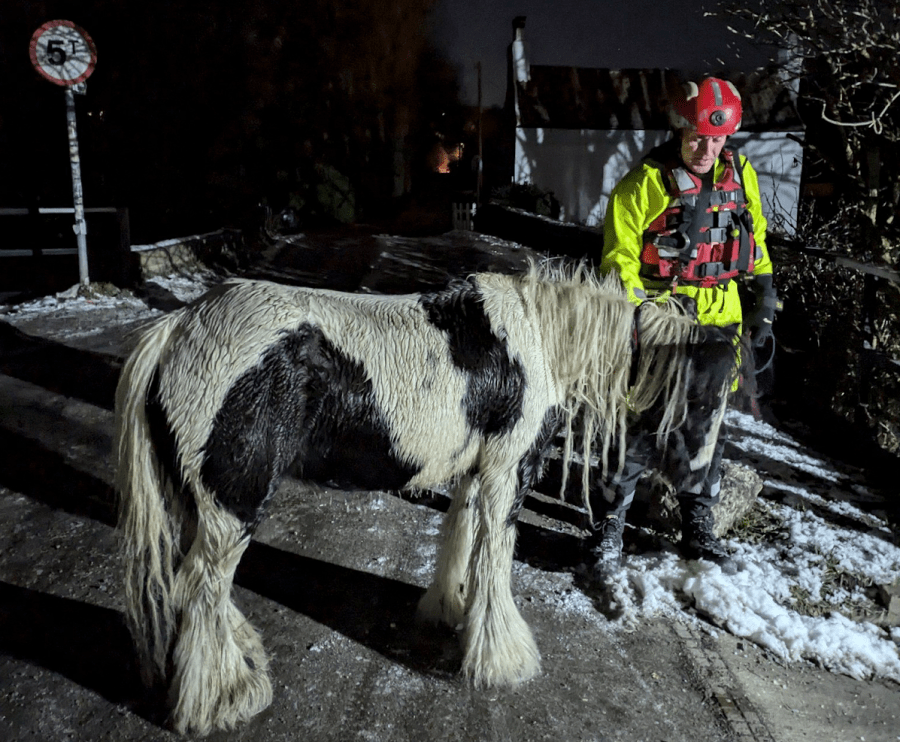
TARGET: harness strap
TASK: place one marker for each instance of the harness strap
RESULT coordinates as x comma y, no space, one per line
706,237
635,345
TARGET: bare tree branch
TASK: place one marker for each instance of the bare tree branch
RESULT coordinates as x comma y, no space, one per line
847,57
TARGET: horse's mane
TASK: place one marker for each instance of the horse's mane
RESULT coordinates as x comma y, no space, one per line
589,331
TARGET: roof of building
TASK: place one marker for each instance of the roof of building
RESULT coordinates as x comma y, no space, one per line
582,98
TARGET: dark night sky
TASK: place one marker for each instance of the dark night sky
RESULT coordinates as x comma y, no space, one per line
584,33
200,120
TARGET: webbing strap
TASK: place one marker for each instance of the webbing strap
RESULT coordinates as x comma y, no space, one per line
635,345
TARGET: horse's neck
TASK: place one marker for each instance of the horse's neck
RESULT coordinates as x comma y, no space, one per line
581,330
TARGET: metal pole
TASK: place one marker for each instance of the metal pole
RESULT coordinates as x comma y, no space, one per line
80,224
478,182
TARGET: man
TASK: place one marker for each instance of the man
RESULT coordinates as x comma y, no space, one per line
687,223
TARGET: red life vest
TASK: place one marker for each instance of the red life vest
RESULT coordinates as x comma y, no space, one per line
705,236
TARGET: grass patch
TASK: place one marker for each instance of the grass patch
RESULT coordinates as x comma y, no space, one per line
760,523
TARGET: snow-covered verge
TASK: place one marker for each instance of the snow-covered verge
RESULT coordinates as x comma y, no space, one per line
83,311
797,588
78,299
786,598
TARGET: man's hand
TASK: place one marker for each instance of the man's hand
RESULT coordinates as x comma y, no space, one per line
687,304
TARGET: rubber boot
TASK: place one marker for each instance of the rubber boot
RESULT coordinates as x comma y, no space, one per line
607,552
698,541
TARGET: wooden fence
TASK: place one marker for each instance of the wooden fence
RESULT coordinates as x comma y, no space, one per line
38,249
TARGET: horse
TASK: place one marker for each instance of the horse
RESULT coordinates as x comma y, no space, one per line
468,385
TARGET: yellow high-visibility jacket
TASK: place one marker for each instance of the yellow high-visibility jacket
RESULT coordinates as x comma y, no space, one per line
638,199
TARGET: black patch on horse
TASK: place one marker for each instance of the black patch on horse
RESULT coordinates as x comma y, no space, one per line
304,406
162,438
531,466
495,384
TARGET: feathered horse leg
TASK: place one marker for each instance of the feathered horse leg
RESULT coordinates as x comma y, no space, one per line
498,647
180,551
445,600
220,674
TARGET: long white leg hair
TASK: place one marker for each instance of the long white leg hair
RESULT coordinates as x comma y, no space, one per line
180,552
445,601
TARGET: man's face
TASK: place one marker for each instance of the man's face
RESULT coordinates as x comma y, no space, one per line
699,153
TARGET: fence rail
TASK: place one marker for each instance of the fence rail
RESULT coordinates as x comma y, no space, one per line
28,236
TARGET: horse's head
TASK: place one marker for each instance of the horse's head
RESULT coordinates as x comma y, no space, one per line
679,368
714,352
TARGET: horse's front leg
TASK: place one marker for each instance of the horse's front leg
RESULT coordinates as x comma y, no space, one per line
497,644
445,600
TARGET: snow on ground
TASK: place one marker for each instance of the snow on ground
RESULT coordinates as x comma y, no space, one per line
186,288
73,302
76,299
759,602
103,304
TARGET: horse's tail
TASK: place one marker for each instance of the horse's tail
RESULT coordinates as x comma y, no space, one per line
148,528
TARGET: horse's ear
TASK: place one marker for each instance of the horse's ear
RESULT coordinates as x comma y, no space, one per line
714,333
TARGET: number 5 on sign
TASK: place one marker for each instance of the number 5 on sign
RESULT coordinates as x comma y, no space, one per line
63,53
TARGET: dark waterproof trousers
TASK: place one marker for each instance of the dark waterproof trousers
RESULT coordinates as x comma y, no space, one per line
615,494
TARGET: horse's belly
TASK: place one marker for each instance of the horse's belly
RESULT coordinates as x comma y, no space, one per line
363,457
357,459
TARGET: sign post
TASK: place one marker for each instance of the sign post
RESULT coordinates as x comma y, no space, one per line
64,54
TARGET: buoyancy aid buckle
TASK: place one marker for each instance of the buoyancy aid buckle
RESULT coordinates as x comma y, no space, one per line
723,198
718,234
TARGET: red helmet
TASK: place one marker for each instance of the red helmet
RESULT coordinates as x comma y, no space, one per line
713,108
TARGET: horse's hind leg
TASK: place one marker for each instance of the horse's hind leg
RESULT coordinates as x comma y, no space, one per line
498,646
445,600
220,670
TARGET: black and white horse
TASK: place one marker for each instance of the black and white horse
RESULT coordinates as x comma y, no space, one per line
221,399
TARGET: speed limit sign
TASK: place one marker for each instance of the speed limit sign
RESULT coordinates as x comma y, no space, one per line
63,53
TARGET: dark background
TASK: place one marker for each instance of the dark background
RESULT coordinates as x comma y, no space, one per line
197,112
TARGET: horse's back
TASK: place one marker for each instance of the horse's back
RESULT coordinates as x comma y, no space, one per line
356,390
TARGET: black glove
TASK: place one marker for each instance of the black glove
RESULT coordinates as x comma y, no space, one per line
687,304
759,321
